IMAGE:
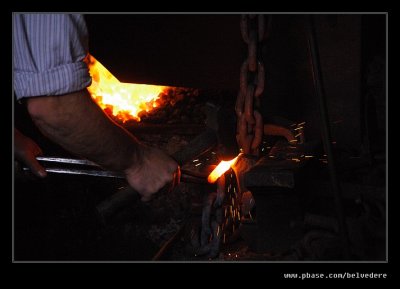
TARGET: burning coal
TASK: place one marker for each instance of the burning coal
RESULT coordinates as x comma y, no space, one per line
124,101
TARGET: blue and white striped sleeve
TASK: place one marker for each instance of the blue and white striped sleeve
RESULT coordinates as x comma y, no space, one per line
48,54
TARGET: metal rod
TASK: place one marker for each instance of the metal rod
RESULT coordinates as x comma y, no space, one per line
67,161
95,173
186,175
326,133
185,178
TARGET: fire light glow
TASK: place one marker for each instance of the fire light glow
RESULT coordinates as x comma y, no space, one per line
222,167
123,100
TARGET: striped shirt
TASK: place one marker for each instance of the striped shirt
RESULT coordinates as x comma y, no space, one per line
48,54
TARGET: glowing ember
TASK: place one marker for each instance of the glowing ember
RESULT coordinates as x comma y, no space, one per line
123,100
222,167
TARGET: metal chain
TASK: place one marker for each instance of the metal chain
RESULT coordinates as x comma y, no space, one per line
222,210
252,81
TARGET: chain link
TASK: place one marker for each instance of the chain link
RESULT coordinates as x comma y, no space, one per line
252,82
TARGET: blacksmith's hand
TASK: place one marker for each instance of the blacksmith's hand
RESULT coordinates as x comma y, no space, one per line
154,171
26,150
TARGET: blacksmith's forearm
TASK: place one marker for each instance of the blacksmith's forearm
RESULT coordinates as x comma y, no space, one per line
76,123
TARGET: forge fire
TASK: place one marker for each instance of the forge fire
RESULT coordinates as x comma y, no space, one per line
125,101
277,122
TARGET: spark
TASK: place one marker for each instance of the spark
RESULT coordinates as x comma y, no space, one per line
196,165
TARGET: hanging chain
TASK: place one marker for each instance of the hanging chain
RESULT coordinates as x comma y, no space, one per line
249,131
222,209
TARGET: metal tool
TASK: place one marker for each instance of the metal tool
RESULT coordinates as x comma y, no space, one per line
88,168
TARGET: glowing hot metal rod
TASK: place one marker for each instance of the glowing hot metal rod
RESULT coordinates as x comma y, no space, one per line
222,167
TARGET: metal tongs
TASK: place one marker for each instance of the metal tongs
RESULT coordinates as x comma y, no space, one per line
84,167
75,167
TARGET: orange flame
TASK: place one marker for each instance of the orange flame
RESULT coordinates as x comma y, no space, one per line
123,100
222,167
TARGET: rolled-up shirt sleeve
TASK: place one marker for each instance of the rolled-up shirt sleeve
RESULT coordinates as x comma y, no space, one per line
48,54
